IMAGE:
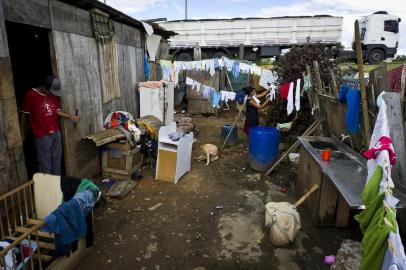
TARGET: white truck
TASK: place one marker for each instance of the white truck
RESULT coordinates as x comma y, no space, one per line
379,36
251,38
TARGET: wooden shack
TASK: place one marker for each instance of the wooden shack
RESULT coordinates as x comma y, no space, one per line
99,74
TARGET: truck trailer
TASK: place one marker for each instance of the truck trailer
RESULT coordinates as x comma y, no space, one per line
253,38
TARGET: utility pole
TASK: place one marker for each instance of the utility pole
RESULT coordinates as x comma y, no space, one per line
185,9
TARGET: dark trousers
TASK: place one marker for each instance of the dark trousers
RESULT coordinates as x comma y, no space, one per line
49,153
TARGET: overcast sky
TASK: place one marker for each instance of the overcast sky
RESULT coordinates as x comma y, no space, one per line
349,9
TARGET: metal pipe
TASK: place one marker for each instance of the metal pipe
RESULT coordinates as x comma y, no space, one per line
185,9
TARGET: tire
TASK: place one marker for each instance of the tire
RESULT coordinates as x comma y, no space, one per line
376,56
184,57
221,54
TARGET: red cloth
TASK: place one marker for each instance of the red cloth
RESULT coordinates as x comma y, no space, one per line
395,78
384,144
284,91
42,110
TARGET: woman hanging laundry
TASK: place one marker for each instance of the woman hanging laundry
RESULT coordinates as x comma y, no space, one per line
252,118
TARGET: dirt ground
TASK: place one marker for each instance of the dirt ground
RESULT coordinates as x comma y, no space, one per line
212,219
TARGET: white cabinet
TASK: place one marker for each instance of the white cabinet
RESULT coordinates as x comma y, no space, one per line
156,98
174,157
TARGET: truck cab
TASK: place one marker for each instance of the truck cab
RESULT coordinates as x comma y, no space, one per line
379,36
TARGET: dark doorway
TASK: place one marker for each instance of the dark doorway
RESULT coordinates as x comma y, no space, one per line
31,62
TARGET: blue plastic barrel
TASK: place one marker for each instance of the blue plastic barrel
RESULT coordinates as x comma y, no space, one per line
233,138
263,147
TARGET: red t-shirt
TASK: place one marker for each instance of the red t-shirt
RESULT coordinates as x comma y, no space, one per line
42,110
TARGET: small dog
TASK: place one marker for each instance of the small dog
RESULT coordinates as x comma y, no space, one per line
210,151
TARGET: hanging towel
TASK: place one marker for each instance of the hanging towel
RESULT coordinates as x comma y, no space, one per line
290,105
342,95
284,91
257,101
240,97
297,95
307,84
215,99
352,117
395,254
272,92
207,91
236,69
146,67
189,81
267,79
227,95
212,68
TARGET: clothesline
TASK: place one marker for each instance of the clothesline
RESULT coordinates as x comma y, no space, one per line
211,93
268,79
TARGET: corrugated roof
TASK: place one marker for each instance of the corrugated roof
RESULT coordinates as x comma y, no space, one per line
117,15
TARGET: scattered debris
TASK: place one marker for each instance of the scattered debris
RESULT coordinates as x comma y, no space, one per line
329,260
152,208
121,188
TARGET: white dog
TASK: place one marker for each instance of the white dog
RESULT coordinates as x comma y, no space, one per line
210,153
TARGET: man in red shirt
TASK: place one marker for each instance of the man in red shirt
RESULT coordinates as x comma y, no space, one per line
42,107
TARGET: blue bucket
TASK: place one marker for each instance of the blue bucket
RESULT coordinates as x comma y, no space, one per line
263,147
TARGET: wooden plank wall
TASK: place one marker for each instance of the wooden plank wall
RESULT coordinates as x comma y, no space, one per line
130,64
12,165
78,69
335,120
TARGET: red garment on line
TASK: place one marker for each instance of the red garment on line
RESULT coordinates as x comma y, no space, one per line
384,144
284,91
395,78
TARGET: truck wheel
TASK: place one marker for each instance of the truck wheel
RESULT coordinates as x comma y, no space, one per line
375,56
184,57
220,55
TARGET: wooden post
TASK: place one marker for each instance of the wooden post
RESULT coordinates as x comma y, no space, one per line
403,84
333,84
318,78
318,89
241,54
367,129
309,96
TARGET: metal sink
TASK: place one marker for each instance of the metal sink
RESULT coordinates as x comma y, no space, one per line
321,145
340,156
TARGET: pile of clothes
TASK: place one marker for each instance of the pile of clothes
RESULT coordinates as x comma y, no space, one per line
15,256
149,124
124,121
184,126
72,220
